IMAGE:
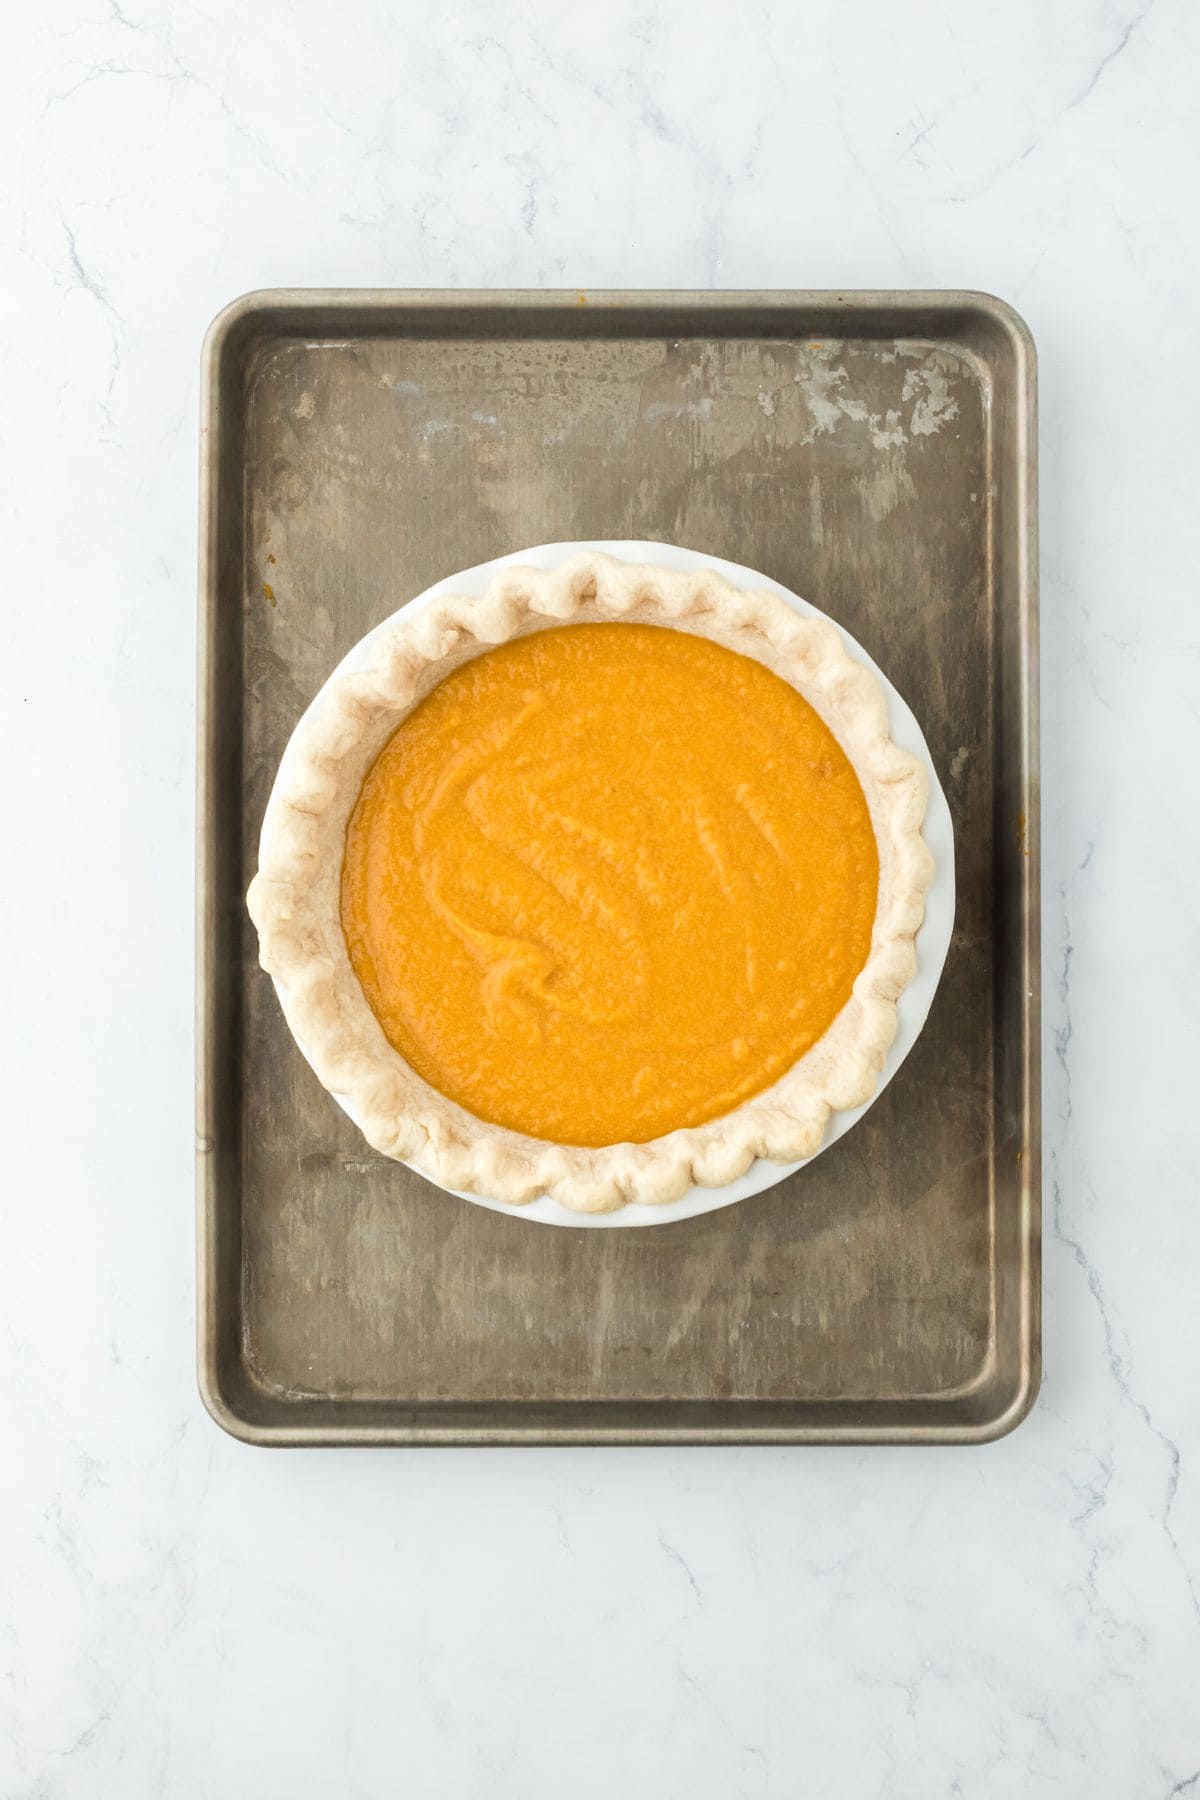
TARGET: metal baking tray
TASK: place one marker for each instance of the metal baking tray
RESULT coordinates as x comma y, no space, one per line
874,452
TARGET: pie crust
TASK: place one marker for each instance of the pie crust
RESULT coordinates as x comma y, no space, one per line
294,899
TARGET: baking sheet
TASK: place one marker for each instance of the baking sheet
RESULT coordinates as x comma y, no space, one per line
872,452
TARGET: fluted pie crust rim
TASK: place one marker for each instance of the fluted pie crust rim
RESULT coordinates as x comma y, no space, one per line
294,899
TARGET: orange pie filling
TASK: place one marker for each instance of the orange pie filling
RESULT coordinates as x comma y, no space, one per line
608,881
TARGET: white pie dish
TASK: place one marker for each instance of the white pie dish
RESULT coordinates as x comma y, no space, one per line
934,937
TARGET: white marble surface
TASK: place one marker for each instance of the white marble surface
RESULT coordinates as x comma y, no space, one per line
185,1617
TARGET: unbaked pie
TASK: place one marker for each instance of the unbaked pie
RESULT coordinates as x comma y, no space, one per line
598,886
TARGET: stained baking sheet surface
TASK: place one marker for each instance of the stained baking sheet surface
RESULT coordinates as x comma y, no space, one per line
873,453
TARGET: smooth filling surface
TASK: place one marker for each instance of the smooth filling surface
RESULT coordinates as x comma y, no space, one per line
608,881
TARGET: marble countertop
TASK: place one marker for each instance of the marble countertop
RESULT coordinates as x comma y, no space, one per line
183,1616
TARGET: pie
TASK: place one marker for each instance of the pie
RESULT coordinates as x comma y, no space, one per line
600,886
